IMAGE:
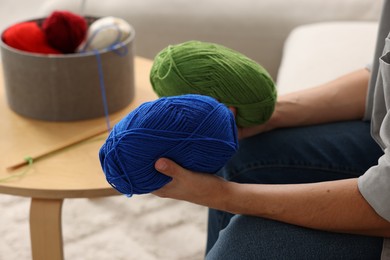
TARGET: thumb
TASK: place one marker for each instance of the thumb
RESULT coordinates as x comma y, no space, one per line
167,167
233,110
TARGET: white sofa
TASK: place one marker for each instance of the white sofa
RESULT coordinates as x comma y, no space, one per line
317,53
257,28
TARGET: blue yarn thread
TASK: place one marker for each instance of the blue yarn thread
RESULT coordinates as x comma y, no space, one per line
115,47
103,89
196,131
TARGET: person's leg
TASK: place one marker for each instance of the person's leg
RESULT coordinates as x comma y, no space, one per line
298,155
305,154
257,238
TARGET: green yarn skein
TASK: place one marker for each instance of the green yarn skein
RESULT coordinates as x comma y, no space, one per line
211,69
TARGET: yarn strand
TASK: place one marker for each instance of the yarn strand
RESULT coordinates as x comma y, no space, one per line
103,89
29,161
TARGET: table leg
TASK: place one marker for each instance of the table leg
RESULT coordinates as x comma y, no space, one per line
45,229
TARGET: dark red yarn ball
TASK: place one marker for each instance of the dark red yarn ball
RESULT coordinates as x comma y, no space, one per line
28,36
65,30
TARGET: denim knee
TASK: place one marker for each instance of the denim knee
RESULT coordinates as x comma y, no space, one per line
257,238
305,154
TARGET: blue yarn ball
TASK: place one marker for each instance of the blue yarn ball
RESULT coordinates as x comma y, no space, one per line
197,132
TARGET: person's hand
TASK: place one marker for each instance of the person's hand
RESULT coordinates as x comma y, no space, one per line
200,188
244,132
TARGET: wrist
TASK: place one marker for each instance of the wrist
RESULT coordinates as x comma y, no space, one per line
243,199
281,112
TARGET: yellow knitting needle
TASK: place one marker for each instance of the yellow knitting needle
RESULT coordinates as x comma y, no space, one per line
56,149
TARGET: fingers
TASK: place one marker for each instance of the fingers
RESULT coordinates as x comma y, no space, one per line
167,167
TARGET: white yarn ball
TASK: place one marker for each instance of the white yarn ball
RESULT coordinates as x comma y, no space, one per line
104,33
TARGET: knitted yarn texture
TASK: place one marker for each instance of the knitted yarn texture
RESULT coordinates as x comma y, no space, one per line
217,71
65,31
29,37
105,33
196,131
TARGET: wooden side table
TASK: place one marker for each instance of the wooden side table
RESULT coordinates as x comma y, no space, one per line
70,173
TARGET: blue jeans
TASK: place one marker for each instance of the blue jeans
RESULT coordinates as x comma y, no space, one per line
294,155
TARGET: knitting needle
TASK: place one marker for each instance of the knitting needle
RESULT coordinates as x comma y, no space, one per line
56,149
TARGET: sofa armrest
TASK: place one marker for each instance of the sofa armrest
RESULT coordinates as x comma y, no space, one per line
255,28
317,53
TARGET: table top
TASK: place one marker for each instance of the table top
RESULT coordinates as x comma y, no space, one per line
74,172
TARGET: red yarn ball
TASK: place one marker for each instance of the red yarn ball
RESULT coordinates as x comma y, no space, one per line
28,36
65,30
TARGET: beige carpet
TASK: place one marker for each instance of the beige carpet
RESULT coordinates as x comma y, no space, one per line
141,228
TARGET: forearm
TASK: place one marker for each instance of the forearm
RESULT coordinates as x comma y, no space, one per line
341,99
333,206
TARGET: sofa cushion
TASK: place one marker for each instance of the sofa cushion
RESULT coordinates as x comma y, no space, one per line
316,53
